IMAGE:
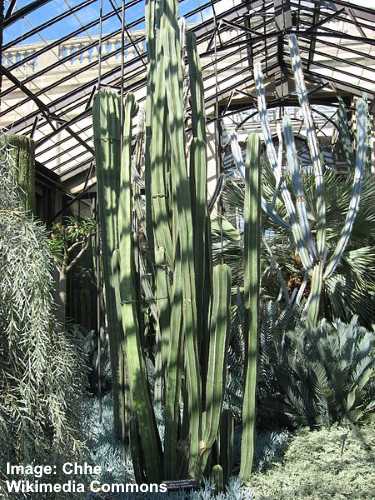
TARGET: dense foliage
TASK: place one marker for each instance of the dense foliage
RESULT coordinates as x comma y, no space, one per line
350,290
317,376
41,367
332,464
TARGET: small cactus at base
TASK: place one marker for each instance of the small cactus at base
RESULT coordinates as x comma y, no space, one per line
218,478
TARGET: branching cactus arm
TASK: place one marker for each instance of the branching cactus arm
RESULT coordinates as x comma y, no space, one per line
198,181
345,134
297,183
361,158
157,157
266,129
299,242
313,144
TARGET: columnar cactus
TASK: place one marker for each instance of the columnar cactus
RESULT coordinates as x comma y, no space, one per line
107,137
313,250
190,317
251,293
220,316
21,149
140,401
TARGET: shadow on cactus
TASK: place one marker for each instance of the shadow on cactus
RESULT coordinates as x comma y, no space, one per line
168,308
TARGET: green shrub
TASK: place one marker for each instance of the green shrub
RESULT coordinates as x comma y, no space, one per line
330,464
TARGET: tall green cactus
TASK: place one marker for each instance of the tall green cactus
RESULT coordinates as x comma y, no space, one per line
198,177
226,443
107,137
22,152
220,317
251,293
185,213
181,188
141,404
190,317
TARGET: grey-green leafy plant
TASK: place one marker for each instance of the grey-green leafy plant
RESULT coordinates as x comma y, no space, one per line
321,465
42,371
317,376
335,363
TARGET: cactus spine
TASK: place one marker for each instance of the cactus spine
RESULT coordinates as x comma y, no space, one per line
251,293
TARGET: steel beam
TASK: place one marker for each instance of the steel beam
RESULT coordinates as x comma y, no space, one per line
47,24
24,11
10,8
43,107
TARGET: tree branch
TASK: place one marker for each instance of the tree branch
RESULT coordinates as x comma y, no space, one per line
78,256
75,245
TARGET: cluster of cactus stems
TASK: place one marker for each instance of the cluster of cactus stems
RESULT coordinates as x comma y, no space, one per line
190,298
311,246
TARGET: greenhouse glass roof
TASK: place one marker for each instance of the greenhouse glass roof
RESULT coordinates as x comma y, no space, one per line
56,53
